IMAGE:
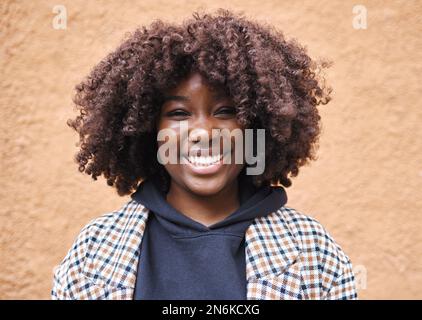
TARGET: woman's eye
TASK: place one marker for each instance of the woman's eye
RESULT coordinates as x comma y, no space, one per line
227,110
177,113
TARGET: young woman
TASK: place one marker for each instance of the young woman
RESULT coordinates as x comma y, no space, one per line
201,228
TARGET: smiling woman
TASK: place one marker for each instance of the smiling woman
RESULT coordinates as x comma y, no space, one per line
203,228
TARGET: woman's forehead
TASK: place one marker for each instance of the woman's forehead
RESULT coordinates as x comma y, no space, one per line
196,81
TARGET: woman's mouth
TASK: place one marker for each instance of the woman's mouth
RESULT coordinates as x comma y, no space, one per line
205,164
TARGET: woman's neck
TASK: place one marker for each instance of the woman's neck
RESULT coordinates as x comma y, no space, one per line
205,209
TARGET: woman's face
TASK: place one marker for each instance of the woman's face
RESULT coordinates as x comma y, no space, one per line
203,108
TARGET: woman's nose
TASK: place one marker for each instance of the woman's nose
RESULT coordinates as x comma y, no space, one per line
200,130
201,126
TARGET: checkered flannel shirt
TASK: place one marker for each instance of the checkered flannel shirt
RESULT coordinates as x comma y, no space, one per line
288,256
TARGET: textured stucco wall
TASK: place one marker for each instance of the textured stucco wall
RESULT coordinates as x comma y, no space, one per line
365,188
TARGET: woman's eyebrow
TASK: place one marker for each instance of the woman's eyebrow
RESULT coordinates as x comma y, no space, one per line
216,96
175,98
219,96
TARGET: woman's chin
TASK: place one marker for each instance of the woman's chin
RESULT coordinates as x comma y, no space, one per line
205,187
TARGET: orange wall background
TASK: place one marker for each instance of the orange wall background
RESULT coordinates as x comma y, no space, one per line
365,188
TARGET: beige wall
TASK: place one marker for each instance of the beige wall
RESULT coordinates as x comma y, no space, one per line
365,188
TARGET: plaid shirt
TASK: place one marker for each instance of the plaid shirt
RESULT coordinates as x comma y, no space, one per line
288,256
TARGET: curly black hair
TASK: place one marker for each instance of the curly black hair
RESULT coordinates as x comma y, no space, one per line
273,82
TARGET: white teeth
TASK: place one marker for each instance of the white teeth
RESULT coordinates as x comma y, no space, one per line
204,160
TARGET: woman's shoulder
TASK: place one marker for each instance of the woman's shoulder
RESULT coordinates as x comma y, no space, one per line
310,233
320,254
115,221
104,232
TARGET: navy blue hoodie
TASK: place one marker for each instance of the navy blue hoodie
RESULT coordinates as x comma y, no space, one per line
183,259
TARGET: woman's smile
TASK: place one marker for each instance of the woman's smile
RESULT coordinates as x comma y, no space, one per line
203,164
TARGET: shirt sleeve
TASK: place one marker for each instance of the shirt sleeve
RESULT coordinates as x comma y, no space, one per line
67,279
344,287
